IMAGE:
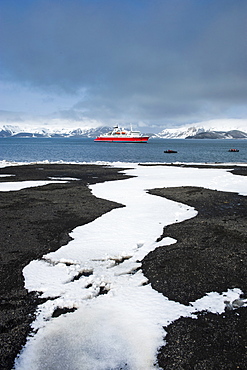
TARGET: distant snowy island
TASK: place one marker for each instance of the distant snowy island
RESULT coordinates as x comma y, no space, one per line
185,132
201,133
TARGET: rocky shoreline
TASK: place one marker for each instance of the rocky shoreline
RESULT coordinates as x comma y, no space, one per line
210,255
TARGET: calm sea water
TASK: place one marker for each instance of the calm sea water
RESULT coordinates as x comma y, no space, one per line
86,150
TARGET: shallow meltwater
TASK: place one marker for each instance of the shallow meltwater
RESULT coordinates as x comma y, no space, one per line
110,317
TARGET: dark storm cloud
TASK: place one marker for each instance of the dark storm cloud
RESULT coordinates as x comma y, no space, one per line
137,59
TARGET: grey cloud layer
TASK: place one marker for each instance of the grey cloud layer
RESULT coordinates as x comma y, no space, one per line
141,59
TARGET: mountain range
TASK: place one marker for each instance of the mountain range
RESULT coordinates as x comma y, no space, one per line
16,131
193,132
201,133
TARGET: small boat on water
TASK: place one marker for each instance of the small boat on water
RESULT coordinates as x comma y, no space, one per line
170,151
233,150
120,135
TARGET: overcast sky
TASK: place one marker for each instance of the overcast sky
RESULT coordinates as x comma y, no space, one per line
154,63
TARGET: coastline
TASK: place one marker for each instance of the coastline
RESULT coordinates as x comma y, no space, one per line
38,220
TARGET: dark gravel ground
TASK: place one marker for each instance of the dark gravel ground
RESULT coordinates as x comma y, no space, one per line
210,255
36,221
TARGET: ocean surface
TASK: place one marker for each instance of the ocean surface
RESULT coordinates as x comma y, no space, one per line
86,150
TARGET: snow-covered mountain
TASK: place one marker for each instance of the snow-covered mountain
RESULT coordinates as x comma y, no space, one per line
202,131
180,133
232,134
16,131
215,129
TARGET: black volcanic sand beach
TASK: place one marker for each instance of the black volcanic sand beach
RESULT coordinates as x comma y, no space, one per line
36,221
210,255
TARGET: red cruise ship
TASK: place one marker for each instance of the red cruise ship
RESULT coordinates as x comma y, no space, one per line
120,135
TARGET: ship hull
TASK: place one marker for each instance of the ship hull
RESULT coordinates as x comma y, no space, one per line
108,139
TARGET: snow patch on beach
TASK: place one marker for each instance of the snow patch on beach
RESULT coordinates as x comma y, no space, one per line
119,319
19,185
